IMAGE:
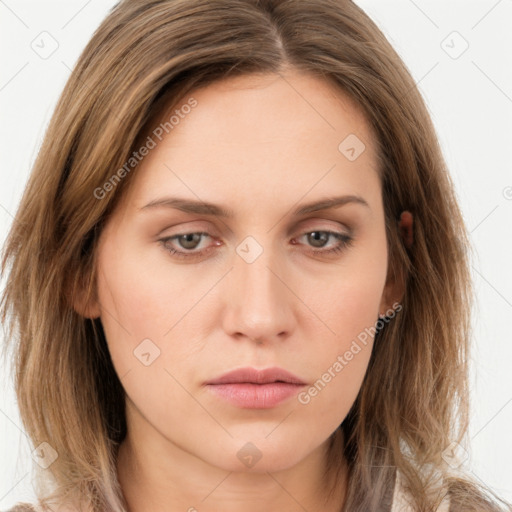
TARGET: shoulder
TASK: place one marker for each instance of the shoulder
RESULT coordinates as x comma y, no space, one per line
27,507
462,495
22,507
471,496
402,501
70,506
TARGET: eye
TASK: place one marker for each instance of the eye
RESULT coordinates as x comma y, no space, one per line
189,242
319,239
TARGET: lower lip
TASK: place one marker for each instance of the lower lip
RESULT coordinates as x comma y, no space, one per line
255,396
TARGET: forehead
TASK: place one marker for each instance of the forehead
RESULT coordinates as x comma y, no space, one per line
269,105
266,131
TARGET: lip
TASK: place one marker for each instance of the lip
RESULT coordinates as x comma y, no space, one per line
250,388
254,376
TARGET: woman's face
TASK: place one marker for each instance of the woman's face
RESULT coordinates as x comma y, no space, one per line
260,288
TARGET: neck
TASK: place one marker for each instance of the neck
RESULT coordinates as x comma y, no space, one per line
155,474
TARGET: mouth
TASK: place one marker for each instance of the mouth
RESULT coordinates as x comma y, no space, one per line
249,388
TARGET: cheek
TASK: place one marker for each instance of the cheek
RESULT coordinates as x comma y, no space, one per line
341,363
134,299
349,306
348,300
145,297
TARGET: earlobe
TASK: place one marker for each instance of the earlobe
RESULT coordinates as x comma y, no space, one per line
87,308
393,293
84,303
405,227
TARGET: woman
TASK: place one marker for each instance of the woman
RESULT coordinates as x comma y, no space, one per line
239,274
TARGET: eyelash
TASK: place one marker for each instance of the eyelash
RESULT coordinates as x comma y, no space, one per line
345,241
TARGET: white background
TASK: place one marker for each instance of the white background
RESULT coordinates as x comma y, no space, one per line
470,100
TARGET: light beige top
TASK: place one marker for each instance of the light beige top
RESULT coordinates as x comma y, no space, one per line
402,501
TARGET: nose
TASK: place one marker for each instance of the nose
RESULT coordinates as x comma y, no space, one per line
258,302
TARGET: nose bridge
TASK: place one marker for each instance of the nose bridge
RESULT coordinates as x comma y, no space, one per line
258,301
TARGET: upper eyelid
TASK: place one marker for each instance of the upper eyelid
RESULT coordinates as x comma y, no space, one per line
344,227
301,232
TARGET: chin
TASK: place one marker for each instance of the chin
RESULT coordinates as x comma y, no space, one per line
259,455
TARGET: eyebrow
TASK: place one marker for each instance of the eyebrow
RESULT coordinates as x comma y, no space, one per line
203,208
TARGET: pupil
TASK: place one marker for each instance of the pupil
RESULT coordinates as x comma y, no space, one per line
318,236
188,242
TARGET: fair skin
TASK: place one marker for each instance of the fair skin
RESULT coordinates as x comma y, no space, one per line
260,149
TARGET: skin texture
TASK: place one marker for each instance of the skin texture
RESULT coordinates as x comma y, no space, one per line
260,148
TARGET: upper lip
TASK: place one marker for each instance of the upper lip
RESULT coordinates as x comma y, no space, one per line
254,376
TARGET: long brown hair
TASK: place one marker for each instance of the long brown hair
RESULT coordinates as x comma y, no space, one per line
413,402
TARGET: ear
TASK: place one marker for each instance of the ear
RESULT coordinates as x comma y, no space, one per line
82,298
405,228
395,285
87,307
